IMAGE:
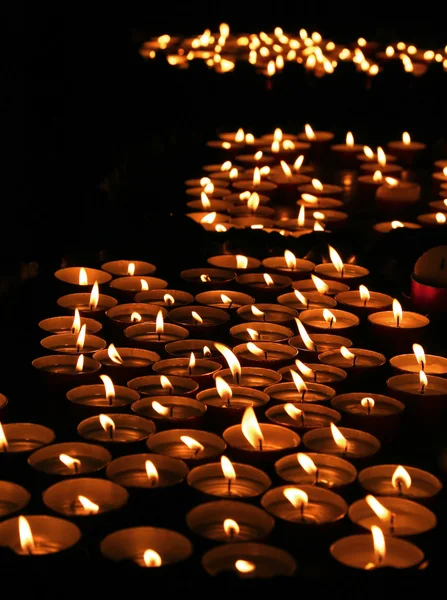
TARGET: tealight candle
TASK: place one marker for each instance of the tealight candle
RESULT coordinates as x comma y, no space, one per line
386,169
24,437
387,226
13,498
148,547
368,184
268,354
316,373
260,331
124,315
165,298
305,300
122,364
199,319
413,363
64,369
304,505
234,262
147,471
317,202
155,335
406,149
269,313
249,560
363,302
63,325
73,343
324,470
339,271
302,416
396,480
259,214
438,219
323,286
395,516
200,370
296,268
116,428
252,160
240,197
311,346
318,320
287,182
346,154
82,276
130,285
251,222
439,205
226,404
70,459
226,479
208,220
396,196
359,363
300,391
226,299
424,397
268,188
191,445
350,444
255,377
321,189
183,348
92,305
97,398
207,277
85,497
171,411
121,268
264,284
160,385
227,521
38,535
368,156
319,140
211,205
440,177
397,329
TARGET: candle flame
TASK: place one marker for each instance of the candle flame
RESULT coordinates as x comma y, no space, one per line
329,317
309,132
240,134
192,361
251,430
305,370
234,173
81,338
209,188
258,155
300,297
3,440
364,293
285,167
277,134
335,259
192,443
298,381
69,462
26,536
310,345
131,269
206,204
227,468
377,176
223,389
152,558
244,195
440,218
318,215
397,311
271,67
168,299
225,299
83,278
420,355
231,527
209,218
389,51
160,409
253,349
401,479
151,472
346,353
396,224
195,315
159,323
298,498
226,166
298,163
233,363
144,285
406,139
268,279
293,411
253,201
307,463
423,380
316,183
206,351
253,333
94,296
135,317
381,157
290,259
80,364
379,544
383,513
318,226
109,388
391,181
444,171
349,139
165,383
244,566
107,423
76,325
367,403
275,146
241,261
339,438
322,287
204,181
88,505
368,152
301,220
256,176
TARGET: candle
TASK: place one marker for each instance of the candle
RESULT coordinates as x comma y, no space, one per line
429,280
171,411
413,363
251,213
89,305
63,369
122,364
239,197
85,497
225,299
200,370
316,187
249,560
165,298
160,385
318,202
324,470
304,505
70,459
124,315
395,516
206,277
226,479
440,177
424,397
268,354
216,192
73,343
63,325
251,222
406,149
238,262
256,159
305,300
131,285
269,313
388,226
147,471
226,404
322,286
82,276
148,547
397,328
319,320
264,284
207,205
350,444
439,205
339,271
364,302
438,219
359,363
13,498
386,169
38,535
24,437
396,480
191,445
300,391
155,335
116,428
316,373
257,331
183,348
287,181
122,268
346,154
310,347
199,319
396,196
209,220
247,376
302,416
227,521
267,188
289,264
368,184
368,156
101,397
319,140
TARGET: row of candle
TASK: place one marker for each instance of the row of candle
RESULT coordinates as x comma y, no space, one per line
269,53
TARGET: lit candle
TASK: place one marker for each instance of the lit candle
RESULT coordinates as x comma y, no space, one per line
387,226
268,354
324,470
363,302
70,459
191,445
235,262
381,165
160,385
341,321
300,391
340,271
122,268
147,471
267,313
396,480
413,363
328,287
316,373
406,149
395,196
438,219
316,187
397,328
350,444
301,416
297,268
116,429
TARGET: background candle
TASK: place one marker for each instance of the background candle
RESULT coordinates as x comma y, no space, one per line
165,298
320,343
296,268
388,226
13,498
25,437
132,285
146,334
268,354
201,372
316,202
82,276
173,411
356,444
396,198
333,287
263,287
405,149
124,315
307,416
370,302
267,561
429,280
310,392
349,273
397,332
129,363
276,442
438,219
346,154
235,262
96,398
248,482
123,429
408,363
83,303
325,470
208,278
225,299
50,535
62,325
336,320
385,480
86,458
68,342
204,320
169,443
61,369
307,300
157,385
228,407
183,348
131,471
128,267
316,373
270,313
425,402
259,331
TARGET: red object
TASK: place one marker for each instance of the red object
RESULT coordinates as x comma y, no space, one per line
428,297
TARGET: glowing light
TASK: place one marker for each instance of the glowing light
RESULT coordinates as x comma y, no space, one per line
83,277
397,312
160,409
109,388
322,287
244,566
25,535
349,139
329,317
76,325
401,479
339,438
310,345
316,184
309,132
364,293
379,544
192,444
152,558
166,384
80,364
336,260
251,430
397,225
233,363
89,506
81,339
151,472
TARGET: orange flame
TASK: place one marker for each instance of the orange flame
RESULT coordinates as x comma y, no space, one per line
339,438
81,339
25,535
379,544
209,218
233,363
268,279
307,463
396,224
299,382
383,513
80,364
244,566
310,345
290,259
159,323
76,325
160,409
305,370
251,430
255,335
301,220
420,355
349,139
377,176
206,204
406,139
298,163
346,353
89,506
71,463
286,169
440,218
144,285
114,355
423,380
322,287
152,558
227,468
367,403
94,296
3,440
401,479
192,444
336,260
107,424
151,472
397,312
316,183
298,498
364,293
231,528
368,152
329,317
131,269
309,132
109,388
293,411
165,383
381,157
256,176
253,349
241,261
253,201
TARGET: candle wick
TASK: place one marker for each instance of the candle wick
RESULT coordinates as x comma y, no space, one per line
343,272
265,355
422,365
158,335
354,360
302,511
317,473
189,371
229,493
172,411
368,408
422,388
315,377
302,419
4,448
392,518
399,487
263,318
229,306
260,445
237,378
111,433
397,321
78,348
303,393
29,550
331,323
365,301
75,465
153,481
346,449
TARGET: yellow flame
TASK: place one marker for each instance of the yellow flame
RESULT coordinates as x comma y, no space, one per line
168,299
444,171
300,297
420,354
165,383
253,333
81,338
318,215
397,311
271,68
109,387
298,163
225,299
239,137
383,513
288,145
349,139
253,349
70,462
329,317
391,181
389,51
205,181
286,169
206,351
379,544
3,440
25,535
244,566
151,472
275,146
249,138
381,157
322,287
397,225
440,218
241,262
377,176
318,226
226,166
258,155
223,389
305,370
131,269
206,204
298,381
401,479
76,325
160,409
346,353
226,145
423,380
367,403
368,152
227,468
335,259
192,361
298,498
256,176
278,134
80,364
192,443
309,132
292,411
83,278
339,438
88,505
195,315
209,188
290,259
310,345
209,218
253,201
301,220
364,293
233,363
307,463
316,183
159,323
144,285
107,423
164,40
406,139
231,527
251,430
152,558
234,173
268,279
135,317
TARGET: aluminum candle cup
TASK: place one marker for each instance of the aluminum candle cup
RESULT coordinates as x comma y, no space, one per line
260,331
199,320
225,299
131,285
350,274
312,392
176,411
362,367
67,343
59,370
340,321
426,403
152,385
205,348
395,335
408,363
210,521
358,445
405,518
357,551
131,471
255,283
125,430
133,362
71,302
377,414
251,161
50,535
312,300
310,416
254,377
334,287
232,262
278,264
330,471
24,438
210,480
387,226
268,354
63,497
223,412
202,372
122,268
277,442
80,459
405,482
397,198
131,545
74,276
328,190
63,325
316,202
318,373
145,334
124,315
353,302
165,298
271,313
92,399
13,498
322,343
207,446
206,278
